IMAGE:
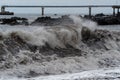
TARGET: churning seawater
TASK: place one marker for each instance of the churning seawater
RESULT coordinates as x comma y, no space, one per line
69,52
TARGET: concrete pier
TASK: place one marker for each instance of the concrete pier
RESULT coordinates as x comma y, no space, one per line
42,11
90,12
2,9
3,12
114,9
85,6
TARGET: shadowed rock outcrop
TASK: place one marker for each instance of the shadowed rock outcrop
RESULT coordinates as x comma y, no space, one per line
14,21
103,19
48,21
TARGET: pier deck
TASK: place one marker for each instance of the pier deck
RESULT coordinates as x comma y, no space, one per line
43,7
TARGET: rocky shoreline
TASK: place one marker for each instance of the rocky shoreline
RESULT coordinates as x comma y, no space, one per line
100,19
103,19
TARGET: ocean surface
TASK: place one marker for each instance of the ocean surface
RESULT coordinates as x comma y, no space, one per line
40,53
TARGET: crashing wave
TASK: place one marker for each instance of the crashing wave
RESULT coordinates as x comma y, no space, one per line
58,49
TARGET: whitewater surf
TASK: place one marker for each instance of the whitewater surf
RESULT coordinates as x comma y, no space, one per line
54,52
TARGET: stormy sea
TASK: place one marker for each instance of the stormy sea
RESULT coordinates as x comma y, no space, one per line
76,49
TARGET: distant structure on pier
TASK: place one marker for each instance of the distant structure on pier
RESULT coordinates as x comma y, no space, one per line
3,12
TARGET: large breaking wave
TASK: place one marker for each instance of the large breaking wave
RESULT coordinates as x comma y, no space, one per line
50,50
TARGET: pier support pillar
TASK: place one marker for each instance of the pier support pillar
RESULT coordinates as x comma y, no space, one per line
90,12
113,11
2,9
42,11
117,10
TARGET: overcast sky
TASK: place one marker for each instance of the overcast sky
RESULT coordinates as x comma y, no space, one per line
54,2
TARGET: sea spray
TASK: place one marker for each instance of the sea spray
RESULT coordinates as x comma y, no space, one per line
50,50
81,22
57,36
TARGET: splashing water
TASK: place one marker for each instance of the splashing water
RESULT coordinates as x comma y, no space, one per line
51,50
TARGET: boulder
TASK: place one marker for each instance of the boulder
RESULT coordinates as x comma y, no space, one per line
86,33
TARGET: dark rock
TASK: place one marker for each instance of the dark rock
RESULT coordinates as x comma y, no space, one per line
99,15
118,14
109,20
18,18
6,13
14,21
25,22
1,37
9,21
103,19
85,33
48,21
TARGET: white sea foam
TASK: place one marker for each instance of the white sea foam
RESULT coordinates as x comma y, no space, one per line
84,22
102,74
60,36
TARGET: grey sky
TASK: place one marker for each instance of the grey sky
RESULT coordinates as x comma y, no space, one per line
55,2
